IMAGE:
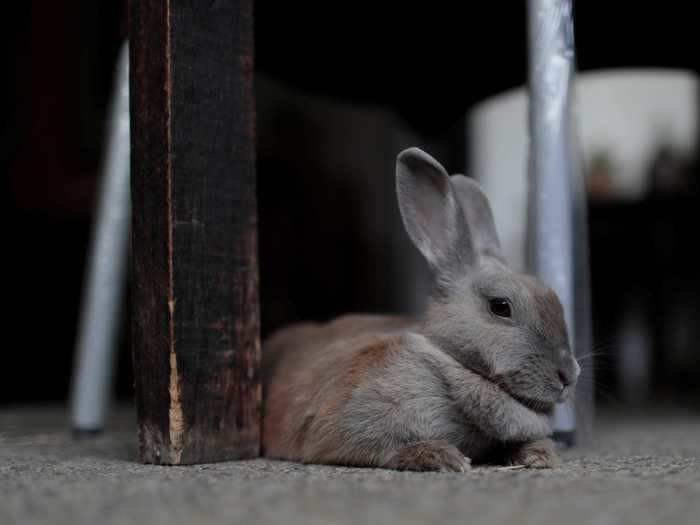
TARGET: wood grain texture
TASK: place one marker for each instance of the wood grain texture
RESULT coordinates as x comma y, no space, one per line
195,318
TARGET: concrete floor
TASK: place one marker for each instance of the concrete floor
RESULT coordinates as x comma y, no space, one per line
641,470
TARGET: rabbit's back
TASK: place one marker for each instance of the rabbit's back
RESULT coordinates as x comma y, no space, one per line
310,372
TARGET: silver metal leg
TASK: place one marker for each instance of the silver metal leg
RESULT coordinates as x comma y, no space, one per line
106,270
555,177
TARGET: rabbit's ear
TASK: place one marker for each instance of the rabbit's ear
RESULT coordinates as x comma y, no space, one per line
477,212
431,211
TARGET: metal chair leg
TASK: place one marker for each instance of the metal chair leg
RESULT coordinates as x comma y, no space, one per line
106,270
557,203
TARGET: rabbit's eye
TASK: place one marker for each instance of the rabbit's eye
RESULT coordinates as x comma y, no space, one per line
500,307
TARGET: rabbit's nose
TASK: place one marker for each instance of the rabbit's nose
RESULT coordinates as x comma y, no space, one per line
565,377
568,368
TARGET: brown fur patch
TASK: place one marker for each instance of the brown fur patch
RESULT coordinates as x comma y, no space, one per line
551,314
371,357
300,437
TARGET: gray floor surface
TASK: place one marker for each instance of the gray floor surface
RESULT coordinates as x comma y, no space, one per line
642,469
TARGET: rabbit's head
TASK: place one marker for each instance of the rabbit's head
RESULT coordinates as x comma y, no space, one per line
503,325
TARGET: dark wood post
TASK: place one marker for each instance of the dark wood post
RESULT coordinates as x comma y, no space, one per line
195,320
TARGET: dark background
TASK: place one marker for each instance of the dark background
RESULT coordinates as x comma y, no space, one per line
429,63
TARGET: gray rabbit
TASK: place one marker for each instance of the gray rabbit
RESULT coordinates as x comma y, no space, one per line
475,379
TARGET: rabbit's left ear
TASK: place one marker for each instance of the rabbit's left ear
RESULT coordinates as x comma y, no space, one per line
479,217
431,213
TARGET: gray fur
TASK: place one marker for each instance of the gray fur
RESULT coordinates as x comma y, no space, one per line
477,211
459,384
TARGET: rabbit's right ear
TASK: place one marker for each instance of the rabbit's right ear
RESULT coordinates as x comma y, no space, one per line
431,211
477,212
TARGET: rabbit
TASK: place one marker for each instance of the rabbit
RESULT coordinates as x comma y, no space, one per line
475,379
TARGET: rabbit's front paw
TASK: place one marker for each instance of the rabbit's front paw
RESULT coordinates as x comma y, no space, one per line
430,456
535,454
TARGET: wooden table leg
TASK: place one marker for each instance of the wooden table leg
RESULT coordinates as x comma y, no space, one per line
195,311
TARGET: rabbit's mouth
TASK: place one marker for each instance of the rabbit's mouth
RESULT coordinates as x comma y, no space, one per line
536,405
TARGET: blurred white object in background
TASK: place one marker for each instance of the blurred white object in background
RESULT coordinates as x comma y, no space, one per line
624,114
